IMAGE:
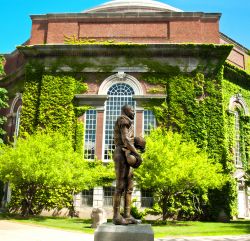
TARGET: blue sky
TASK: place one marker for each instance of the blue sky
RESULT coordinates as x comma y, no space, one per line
15,23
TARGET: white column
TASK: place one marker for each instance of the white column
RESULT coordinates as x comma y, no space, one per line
137,195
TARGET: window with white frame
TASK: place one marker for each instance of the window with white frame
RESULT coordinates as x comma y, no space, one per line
147,199
149,121
90,134
119,95
87,198
17,121
108,193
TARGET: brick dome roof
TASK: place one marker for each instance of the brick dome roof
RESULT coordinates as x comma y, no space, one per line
121,6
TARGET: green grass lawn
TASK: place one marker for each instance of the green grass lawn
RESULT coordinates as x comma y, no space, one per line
179,229
176,229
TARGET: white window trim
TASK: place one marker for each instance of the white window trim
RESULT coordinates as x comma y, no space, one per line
120,77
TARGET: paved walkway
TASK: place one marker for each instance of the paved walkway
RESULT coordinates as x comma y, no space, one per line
209,238
13,231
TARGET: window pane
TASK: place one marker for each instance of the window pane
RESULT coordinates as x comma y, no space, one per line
17,124
87,198
149,121
90,134
147,199
108,195
119,95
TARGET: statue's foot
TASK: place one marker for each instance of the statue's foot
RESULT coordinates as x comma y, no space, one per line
120,220
132,220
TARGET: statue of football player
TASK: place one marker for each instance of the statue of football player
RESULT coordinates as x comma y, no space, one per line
125,156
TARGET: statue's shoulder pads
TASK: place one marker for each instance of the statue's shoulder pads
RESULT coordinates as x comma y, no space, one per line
123,121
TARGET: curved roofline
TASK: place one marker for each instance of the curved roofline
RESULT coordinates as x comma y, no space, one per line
133,5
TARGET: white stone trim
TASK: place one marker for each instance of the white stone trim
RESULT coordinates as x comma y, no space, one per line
238,99
13,104
120,77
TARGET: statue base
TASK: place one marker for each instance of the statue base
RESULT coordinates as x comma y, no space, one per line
133,232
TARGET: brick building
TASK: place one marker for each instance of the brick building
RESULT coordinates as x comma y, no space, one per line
114,75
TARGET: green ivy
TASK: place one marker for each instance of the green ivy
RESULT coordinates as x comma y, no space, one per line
79,137
48,102
194,107
80,110
2,66
56,110
31,98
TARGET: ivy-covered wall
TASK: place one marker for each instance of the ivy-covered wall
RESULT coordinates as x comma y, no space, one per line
236,84
1,66
195,107
48,102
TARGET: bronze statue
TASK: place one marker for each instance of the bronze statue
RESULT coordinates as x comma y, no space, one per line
125,156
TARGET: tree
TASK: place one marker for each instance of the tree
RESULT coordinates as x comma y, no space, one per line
3,99
45,172
3,104
174,169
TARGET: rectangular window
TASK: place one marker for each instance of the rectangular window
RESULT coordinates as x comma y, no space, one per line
108,193
90,134
147,199
87,198
149,121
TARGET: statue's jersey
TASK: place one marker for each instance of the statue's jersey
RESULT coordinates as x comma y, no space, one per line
123,122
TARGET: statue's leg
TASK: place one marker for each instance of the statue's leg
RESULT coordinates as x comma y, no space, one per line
128,199
120,171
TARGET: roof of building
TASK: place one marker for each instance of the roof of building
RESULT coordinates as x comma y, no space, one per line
235,43
133,6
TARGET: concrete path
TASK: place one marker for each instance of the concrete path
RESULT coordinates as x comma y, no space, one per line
209,238
13,231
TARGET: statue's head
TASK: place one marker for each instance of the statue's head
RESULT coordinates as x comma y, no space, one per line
128,111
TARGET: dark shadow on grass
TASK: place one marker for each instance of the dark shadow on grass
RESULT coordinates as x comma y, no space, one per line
166,223
8,216
243,225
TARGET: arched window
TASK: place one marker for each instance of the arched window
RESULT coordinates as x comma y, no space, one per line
17,124
119,95
238,107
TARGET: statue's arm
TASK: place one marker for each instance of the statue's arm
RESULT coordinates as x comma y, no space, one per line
126,140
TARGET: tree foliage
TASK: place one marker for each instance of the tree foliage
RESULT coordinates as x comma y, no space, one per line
178,172
3,104
45,172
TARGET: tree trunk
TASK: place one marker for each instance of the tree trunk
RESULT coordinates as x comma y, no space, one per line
164,207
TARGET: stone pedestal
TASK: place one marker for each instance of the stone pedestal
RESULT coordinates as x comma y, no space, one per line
111,232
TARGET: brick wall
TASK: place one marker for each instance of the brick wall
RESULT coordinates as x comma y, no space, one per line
123,30
237,55
58,29
194,30
13,62
39,32
177,30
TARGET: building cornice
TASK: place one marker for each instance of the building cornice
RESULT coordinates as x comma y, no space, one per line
130,16
110,57
95,101
126,49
